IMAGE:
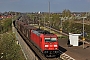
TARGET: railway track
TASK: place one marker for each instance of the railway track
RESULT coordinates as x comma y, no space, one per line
57,31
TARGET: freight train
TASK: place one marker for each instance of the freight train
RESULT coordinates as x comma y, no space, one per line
45,41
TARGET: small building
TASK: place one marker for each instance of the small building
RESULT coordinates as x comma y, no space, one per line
74,38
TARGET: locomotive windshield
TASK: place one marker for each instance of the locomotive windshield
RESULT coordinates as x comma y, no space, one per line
50,39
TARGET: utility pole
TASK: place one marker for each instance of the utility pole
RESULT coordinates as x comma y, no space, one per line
61,18
39,19
49,15
33,20
83,31
50,22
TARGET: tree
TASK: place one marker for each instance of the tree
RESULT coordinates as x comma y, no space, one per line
66,13
68,26
10,50
55,22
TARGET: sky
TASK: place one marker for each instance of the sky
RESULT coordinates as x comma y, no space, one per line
42,5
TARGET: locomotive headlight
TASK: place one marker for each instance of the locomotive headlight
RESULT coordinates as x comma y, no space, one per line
55,46
46,45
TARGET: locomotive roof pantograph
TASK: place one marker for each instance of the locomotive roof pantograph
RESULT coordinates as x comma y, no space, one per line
39,31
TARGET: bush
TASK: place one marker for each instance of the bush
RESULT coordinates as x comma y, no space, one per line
5,25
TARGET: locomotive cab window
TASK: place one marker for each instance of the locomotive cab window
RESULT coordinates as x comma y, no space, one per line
50,39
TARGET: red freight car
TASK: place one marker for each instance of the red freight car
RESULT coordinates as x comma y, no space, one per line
27,30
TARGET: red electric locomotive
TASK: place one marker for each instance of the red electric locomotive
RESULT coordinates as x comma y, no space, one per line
45,41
